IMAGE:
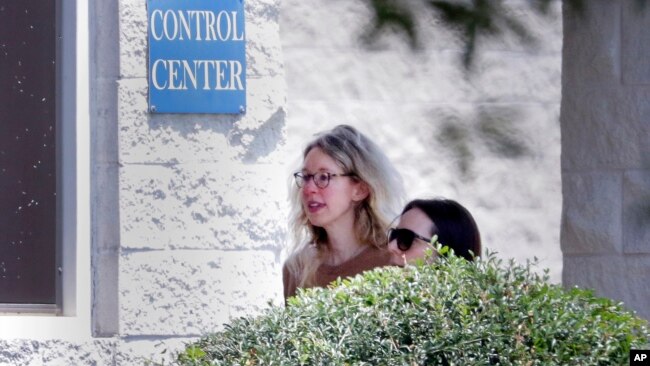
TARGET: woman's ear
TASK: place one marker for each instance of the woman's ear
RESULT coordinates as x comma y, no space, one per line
361,191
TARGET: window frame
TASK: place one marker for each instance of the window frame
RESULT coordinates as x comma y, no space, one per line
51,308
72,309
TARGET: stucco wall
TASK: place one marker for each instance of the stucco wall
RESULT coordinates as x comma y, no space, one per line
200,196
489,139
606,151
188,211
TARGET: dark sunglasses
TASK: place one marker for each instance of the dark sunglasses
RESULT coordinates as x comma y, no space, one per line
404,238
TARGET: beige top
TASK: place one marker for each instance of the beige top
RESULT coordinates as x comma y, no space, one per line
369,258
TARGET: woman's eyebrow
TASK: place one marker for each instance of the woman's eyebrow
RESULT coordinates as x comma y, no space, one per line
319,170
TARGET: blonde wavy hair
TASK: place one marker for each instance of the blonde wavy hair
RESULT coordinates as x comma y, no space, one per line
356,154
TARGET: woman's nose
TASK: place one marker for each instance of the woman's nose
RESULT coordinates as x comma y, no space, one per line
397,256
392,246
393,249
309,186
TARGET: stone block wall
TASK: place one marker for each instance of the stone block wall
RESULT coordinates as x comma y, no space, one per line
188,211
489,138
200,200
606,151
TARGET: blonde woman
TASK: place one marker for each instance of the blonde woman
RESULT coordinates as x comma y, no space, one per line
344,196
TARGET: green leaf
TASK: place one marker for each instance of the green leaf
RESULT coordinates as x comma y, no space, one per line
449,311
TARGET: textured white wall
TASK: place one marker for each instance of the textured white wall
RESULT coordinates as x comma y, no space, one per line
200,196
606,152
490,140
188,210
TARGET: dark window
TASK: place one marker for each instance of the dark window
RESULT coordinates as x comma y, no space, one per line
27,152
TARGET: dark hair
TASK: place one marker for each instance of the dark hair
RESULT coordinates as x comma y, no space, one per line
453,224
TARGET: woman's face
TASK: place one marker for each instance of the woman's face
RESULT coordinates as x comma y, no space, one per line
418,222
333,206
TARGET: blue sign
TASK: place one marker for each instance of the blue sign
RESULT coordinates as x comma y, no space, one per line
197,56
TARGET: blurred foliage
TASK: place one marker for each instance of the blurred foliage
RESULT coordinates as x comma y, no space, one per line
456,139
494,129
450,312
474,20
498,131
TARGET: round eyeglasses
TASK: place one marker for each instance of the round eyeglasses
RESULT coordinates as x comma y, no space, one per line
321,179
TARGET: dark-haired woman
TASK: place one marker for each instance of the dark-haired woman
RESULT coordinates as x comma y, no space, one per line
421,219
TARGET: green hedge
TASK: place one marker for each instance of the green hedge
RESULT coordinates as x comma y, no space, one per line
452,312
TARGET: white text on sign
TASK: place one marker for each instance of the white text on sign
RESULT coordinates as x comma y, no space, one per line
195,25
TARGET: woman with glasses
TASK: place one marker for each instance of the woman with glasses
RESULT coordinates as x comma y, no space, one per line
343,198
422,219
